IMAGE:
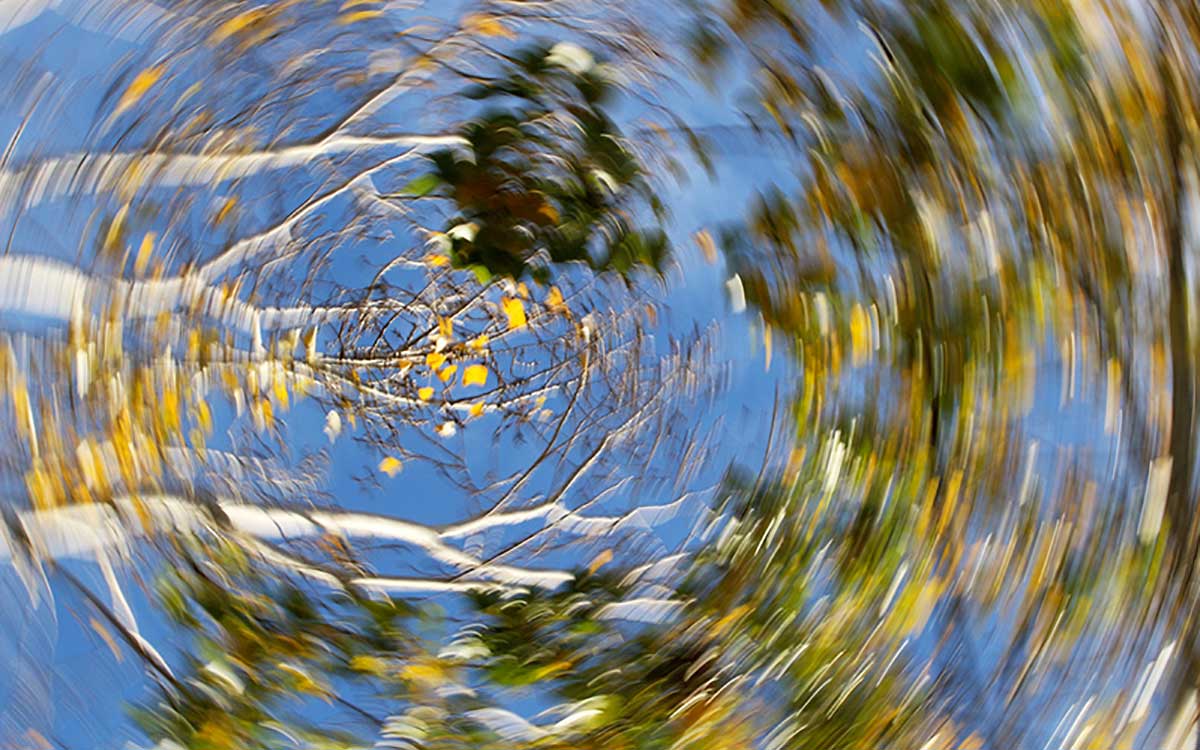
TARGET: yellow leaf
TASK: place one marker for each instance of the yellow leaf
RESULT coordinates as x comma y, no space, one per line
226,209
448,373
707,246
142,83
860,335
549,212
602,559
427,673
552,669
515,310
446,327
104,633
476,409
423,63
204,416
23,407
479,343
554,300
486,25
364,663
523,290
475,375
434,360
391,466
238,23
435,260
425,393
115,228
143,256
281,392
303,680
361,15
720,626
41,490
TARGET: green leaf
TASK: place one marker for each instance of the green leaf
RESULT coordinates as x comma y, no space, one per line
482,273
422,186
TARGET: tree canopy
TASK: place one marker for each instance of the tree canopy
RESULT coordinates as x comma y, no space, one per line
365,379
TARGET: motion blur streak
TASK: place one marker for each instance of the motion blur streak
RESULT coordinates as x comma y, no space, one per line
814,375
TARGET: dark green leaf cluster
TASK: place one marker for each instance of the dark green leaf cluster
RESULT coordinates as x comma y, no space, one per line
545,176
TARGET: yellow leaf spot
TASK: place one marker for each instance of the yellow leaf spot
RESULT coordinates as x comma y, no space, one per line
425,393
391,466
426,673
41,489
552,669
486,25
707,246
860,335
113,236
361,15
226,209
515,310
143,256
434,360
423,63
448,373
476,409
720,626
23,407
238,23
104,633
142,83
364,663
475,375
80,494
281,393
479,343
602,559
303,681
204,417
